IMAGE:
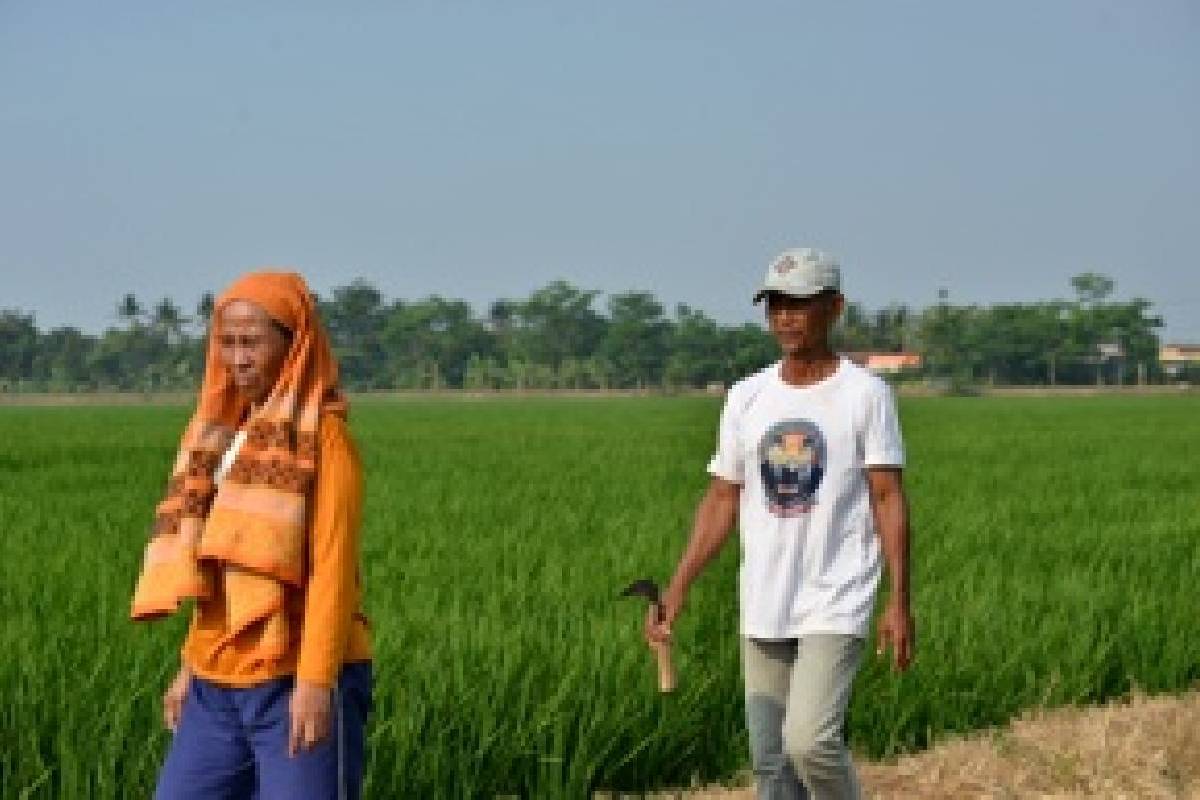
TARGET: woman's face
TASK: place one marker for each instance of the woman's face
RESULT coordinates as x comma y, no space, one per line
252,347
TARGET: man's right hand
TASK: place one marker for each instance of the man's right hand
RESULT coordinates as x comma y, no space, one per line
174,696
658,631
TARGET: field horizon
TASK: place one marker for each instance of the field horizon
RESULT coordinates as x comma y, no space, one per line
176,398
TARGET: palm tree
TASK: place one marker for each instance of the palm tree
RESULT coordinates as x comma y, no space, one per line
204,309
130,310
168,319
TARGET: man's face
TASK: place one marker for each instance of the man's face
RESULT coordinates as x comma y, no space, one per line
251,347
802,323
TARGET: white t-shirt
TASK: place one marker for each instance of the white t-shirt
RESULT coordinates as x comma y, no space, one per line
810,556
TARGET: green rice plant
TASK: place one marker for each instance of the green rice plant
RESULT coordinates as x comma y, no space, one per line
1057,550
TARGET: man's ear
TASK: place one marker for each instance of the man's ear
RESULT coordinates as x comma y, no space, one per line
837,304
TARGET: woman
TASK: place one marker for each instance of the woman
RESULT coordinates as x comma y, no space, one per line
260,527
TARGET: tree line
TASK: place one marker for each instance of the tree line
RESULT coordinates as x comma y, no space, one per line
565,337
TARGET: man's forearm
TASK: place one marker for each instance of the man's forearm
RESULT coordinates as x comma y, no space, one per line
715,517
891,520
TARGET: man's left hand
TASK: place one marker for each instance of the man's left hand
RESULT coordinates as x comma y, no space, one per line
896,630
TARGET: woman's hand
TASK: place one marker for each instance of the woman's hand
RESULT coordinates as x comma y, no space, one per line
174,696
310,716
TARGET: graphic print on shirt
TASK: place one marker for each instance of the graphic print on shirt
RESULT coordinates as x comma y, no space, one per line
791,458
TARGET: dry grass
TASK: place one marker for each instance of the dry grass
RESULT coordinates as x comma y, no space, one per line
1145,747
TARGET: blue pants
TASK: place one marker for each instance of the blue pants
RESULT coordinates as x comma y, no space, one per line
232,744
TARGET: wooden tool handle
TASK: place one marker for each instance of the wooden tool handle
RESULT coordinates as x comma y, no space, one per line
666,670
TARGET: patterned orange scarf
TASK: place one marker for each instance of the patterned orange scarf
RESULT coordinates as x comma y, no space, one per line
251,529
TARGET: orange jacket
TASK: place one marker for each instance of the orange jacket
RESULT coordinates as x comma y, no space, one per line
331,629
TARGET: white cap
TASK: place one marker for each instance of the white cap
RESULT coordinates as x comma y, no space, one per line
801,272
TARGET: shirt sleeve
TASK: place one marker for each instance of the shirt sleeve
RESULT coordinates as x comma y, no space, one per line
883,445
331,590
728,462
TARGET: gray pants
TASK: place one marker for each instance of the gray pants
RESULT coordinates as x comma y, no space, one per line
797,691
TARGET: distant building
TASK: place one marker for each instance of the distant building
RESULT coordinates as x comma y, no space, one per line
1175,358
887,363
1179,354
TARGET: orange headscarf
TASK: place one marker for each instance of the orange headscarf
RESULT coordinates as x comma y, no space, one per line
252,528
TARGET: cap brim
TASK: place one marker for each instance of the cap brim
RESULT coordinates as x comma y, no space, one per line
801,295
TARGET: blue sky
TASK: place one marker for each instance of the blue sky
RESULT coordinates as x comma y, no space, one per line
480,150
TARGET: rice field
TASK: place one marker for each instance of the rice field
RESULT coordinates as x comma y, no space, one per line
1057,553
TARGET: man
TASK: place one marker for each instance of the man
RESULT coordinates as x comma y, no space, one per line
260,528
808,461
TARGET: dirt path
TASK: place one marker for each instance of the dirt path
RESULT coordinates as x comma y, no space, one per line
1147,747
